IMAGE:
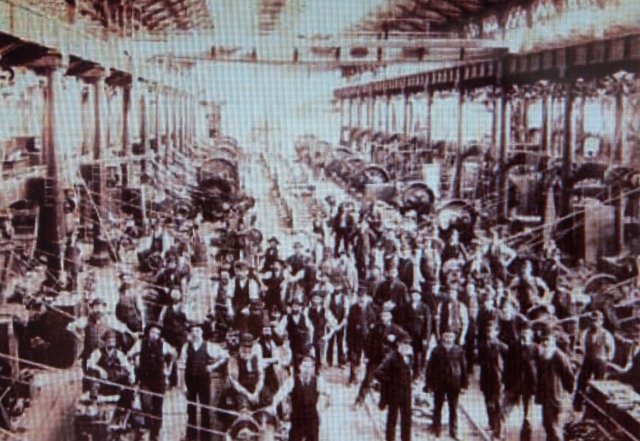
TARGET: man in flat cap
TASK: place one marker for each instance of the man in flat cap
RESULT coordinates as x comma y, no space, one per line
599,347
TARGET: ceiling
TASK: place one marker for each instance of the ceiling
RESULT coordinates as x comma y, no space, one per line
324,33
286,18
428,15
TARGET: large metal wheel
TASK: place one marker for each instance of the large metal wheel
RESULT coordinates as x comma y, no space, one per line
599,282
418,196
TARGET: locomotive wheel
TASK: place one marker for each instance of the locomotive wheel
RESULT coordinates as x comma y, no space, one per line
418,196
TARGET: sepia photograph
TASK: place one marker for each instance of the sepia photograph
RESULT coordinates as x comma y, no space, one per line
319,220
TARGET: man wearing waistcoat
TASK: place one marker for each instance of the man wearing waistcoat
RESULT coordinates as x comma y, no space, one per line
154,360
599,347
199,360
305,389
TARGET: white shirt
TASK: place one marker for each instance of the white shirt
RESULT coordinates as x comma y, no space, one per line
214,350
137,348
254,289
94,358
109,320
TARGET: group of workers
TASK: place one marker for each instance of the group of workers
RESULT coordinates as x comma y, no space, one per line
418,303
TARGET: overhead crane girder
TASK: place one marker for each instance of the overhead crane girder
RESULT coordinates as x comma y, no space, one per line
78,67
443,7
24,54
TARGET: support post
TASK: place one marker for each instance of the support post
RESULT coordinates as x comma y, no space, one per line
622,156
100,255
387,124
429,94
568,152
52,229
126,139
407,114
175,99
144,128
167,127
157,133
460,149
544,136
505,129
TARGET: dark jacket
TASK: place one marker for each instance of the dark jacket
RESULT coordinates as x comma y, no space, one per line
492,366
554,375
395,374
358,323
416,321
393,290
405,271
378,342
447,370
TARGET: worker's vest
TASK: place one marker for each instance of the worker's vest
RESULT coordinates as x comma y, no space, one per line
128,313
595,345
248,373
450,317
197,362
151,366
304,399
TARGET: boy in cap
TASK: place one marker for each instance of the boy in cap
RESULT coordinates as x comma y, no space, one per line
492,364
446,377
522,379
296,262
276,283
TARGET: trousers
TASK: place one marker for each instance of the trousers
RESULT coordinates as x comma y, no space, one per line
198,395
404,409
452,400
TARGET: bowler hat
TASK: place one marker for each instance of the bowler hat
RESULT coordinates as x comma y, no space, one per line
274,239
